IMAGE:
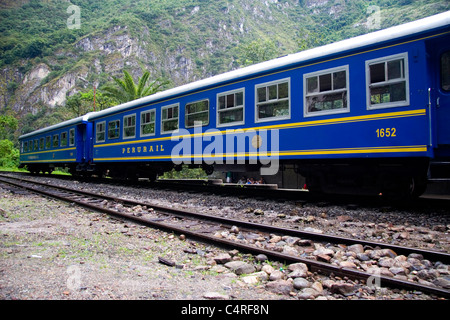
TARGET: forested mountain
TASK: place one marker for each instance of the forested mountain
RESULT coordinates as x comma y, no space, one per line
51,50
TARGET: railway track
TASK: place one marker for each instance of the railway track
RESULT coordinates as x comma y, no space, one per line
205,228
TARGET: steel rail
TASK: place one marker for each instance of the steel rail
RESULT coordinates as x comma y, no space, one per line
428,254
313,265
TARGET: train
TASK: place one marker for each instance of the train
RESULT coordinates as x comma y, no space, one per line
366,115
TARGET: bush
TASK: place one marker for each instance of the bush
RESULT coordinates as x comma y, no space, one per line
9,156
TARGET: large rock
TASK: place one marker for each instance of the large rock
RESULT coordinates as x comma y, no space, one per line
343,288
298,270
240,267
301,283
280,286
222,258
356,248
308,293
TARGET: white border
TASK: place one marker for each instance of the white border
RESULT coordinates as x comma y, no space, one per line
385,59
345,68
96,131
235,123
185,114
267,84
161,123
123,126
140,123
107,130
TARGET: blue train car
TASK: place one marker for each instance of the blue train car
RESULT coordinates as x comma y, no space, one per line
364,115
67,144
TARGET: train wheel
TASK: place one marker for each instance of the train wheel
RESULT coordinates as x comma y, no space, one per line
406,187
416,186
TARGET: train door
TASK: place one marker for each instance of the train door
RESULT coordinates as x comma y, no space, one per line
84,140
80,137
440,98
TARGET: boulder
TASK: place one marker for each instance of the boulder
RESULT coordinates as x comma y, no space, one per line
240,267
280,286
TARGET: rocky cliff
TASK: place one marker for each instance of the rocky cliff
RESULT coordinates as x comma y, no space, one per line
182,41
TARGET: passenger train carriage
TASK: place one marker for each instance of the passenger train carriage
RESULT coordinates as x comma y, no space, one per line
61,145
369,114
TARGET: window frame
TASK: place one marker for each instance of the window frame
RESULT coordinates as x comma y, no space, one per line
72,136
41,143
64,139
55,141
125,126
142,123
242,107
186,115
116,129
48,142
318,74
441,73
405,79
177,118
270,101
97,131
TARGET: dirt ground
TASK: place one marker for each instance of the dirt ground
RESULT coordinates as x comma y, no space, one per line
54,251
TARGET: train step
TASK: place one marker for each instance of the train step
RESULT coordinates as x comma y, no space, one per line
439,171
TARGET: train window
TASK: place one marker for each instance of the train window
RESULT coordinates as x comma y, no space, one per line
114,129
71,137
30,146
41,143
387,80
273,100
169,118
25,146
129,126
326,91
445,71
64,139
48,142
36,145
197,113
148,120
55,140
100,131
230,109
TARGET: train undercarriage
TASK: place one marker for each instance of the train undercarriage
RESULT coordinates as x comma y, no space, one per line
404,177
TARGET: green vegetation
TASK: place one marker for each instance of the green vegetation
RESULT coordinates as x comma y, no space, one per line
185,173
39,29
127,90
9,156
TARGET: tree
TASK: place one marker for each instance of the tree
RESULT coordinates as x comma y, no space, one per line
256,51
9,156
8,125
127,90
307,40
83,102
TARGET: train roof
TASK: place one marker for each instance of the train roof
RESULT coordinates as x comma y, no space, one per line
413,28
79,120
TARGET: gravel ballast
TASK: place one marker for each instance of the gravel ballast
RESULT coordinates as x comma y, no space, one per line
52,250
